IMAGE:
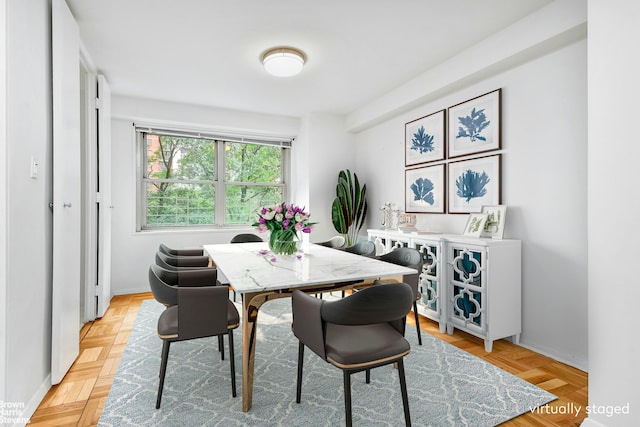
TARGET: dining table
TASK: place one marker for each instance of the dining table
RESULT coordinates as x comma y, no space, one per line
259,275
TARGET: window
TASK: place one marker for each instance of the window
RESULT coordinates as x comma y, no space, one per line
190,179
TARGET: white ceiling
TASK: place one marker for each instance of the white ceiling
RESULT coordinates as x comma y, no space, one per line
206,52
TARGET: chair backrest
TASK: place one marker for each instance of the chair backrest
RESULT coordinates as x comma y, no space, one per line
165,260
161,262
245,238
202,312
375,304
162,291
180,252
363,247
164,282
334,242
407,257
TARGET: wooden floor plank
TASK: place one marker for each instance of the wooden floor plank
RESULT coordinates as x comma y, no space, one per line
80,398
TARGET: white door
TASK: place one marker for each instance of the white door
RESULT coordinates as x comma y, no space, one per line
65,296
104,196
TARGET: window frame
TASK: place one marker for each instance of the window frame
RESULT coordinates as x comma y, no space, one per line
219,181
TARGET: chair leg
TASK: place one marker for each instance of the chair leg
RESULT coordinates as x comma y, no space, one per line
342,294
368,376
163,370
232,362
403,390
347,397
299,380
221,345
417,317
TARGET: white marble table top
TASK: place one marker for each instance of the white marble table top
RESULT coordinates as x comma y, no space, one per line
250,267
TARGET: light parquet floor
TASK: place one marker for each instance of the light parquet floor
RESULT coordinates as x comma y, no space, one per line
80,398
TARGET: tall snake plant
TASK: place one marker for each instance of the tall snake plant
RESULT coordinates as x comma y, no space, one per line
349,208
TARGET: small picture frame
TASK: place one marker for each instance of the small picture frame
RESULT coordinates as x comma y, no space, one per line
425,190
474,125
424,139
475,224
496,216
474,183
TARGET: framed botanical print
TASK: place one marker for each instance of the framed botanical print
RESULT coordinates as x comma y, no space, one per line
474,125
425,190
475,224
474,183
424,139
496,216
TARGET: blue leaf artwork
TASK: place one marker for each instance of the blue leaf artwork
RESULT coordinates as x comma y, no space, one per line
472,125
423,190
422,141
472,184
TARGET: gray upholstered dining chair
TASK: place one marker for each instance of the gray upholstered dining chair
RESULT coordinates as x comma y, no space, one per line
334,242
409,257
164,283
199,312
171,262
363,331
245,238
180,252
362,247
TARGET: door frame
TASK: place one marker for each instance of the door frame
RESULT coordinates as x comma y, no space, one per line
89,142
4,151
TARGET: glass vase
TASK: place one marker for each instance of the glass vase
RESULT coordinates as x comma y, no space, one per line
284,242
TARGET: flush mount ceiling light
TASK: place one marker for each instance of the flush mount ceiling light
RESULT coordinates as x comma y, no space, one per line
283,61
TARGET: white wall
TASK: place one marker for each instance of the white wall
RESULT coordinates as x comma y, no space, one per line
29,221
331,150
543,183
133,252
614,349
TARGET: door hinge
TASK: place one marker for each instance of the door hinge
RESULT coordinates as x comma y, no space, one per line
98,103
98,197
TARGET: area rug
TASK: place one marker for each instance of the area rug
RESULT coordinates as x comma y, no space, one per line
446,386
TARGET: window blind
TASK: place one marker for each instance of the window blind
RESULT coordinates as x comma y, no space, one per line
278,141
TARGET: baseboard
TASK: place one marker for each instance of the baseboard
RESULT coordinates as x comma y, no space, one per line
22,419
130,291
576,364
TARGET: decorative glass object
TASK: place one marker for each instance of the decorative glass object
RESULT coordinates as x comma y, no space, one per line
390,216
284,242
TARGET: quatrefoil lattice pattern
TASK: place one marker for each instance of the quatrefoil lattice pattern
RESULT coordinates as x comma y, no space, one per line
468,270
429,276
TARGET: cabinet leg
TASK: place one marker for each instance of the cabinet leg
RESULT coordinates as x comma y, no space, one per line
443,327
488,345
450,329
516,339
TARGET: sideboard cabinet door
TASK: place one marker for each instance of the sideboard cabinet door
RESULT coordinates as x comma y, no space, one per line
484,288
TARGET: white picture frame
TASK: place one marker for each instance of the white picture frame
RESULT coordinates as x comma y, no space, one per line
475,224
496,217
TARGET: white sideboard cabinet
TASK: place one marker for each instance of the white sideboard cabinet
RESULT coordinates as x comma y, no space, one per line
469,283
